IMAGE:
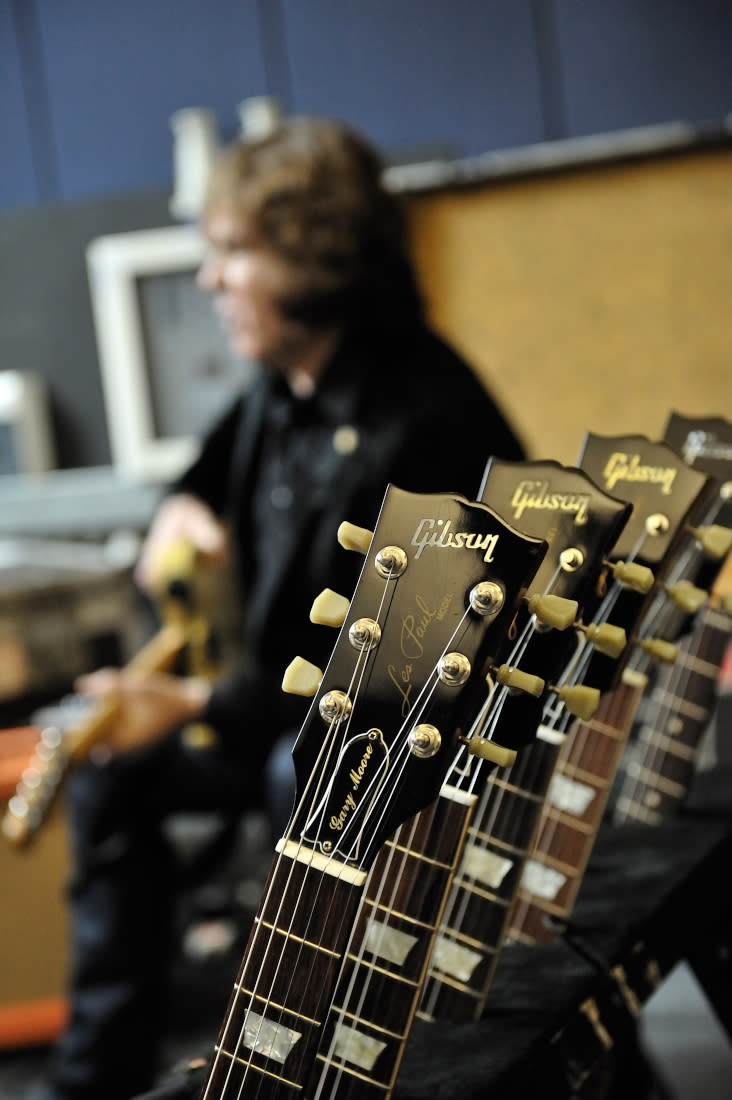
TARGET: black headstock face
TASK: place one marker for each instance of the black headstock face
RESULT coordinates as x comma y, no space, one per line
581,523
668,498
706,444
665,492
394,709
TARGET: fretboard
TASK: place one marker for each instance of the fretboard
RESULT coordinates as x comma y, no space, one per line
378,991
481,896
575,804
659,766
274,1021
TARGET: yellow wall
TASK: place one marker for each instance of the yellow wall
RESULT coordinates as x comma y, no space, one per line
597,299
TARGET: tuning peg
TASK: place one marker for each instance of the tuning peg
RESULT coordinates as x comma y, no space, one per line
715,541
523,681
351,537
554,611
329,609
301,677
606,638
580,700
629,573
725,602
687,596
489,750
660,649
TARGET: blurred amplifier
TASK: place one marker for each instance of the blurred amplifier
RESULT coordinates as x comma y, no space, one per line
65,609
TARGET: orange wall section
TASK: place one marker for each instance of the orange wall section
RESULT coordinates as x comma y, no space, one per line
596,299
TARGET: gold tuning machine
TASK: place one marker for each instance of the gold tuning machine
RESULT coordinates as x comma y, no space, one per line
301,677
606,638
329,609
355,538
512,677
554,611
687,596
716,541
579,699
660,649
637,577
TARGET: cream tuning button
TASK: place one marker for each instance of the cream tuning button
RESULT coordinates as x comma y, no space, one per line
716,541
512,677
637,577
580,700
660,649
687,596
301,677
554,611
606,638
329,609
355,538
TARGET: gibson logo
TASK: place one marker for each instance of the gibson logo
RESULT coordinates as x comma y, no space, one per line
705,445
435,532
537,494
622,467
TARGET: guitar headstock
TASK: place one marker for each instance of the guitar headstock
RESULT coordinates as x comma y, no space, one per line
581,524
669,499
438,591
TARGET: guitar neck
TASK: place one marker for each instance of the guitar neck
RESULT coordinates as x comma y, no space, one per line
481,895
659,767
379,988
576,800
274,1021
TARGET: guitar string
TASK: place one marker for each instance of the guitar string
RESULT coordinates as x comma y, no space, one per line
424,698
375,902
377,778
483,825
547,833
327,748
702,657
652,757
396,882
576,749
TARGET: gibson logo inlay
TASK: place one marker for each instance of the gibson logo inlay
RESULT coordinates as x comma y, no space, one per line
706,445
622,467
436,532
537,494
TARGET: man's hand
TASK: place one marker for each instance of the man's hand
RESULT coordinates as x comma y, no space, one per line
180,517
148,704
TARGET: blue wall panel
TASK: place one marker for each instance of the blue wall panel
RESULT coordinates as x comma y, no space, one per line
458,74
638,62
18,183
117,71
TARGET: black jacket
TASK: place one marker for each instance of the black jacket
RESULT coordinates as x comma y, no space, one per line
408,411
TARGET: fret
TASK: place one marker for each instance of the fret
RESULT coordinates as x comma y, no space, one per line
656,780
674,722
438,592
668,743
230,1078
377,995
630,809
679,705
564,839
292,938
